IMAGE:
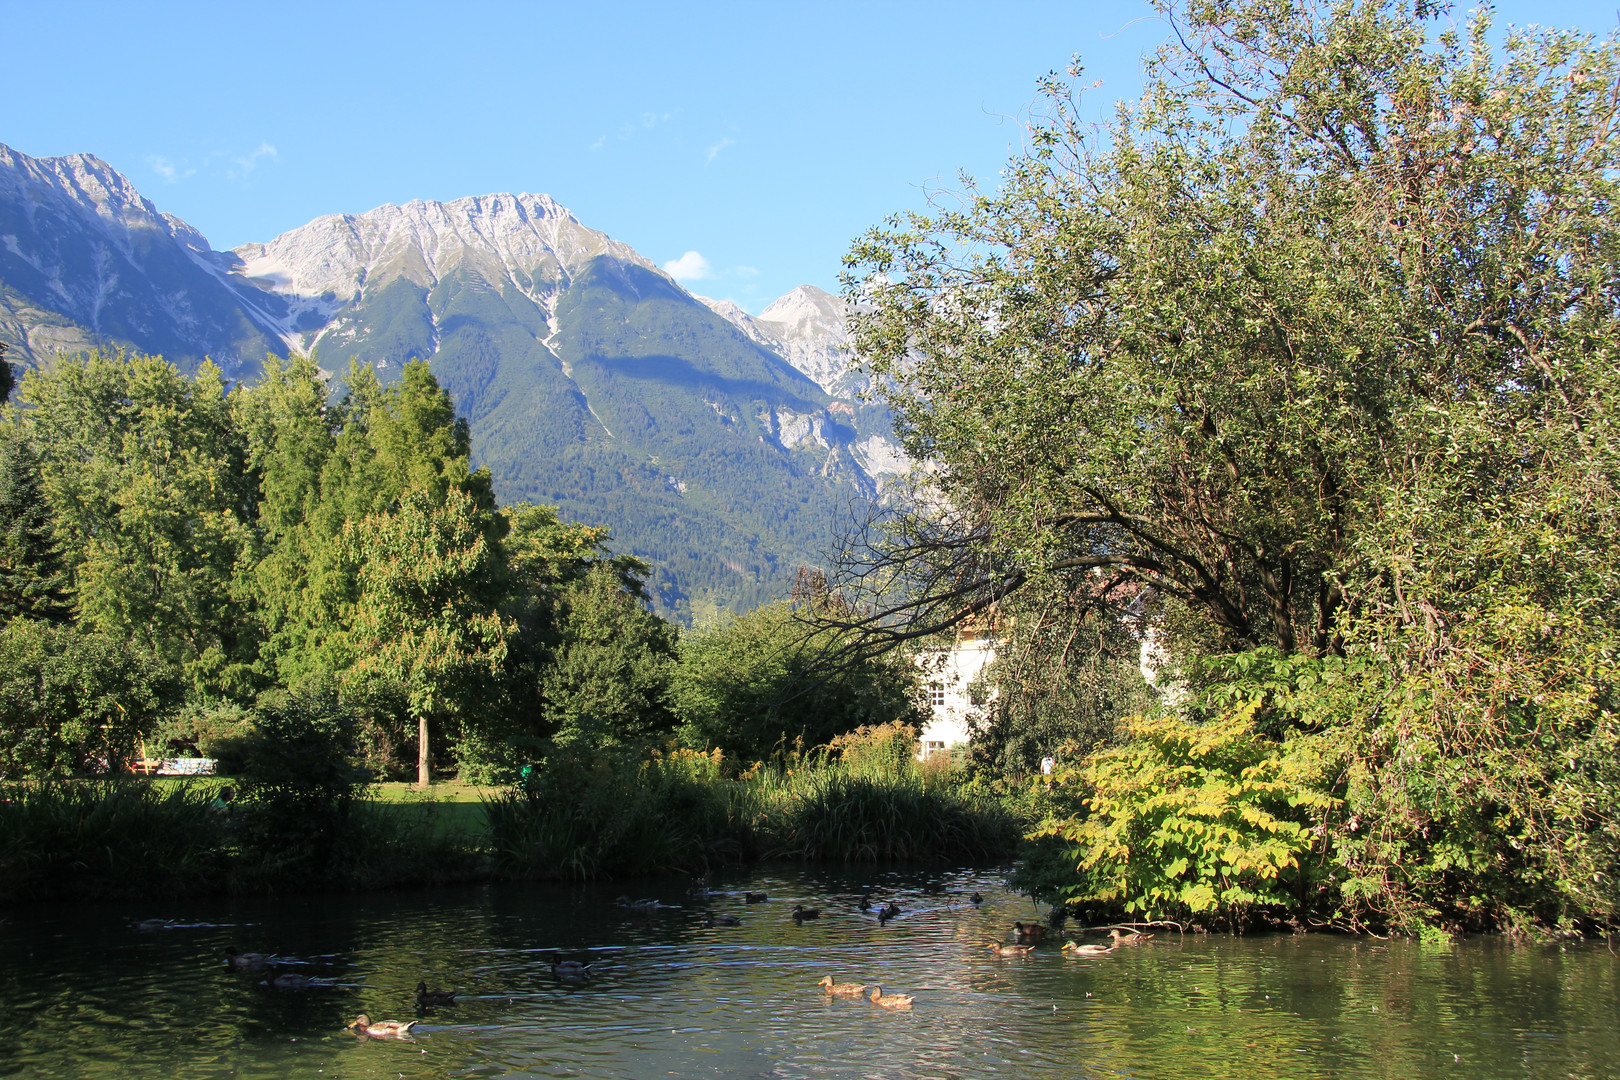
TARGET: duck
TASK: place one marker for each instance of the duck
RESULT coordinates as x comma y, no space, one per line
292,980
838,989
382,1029
721,920
638,906
424,996
248,961
754,898
1010,950
1029,932
801,913
890,1001
865,904
892,911
1086,950
976,899
570,970
1134,937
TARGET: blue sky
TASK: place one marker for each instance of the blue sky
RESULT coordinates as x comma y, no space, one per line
761,137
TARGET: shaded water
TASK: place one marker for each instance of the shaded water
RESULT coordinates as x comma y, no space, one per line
83,994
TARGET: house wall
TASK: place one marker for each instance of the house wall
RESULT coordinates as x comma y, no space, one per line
947,675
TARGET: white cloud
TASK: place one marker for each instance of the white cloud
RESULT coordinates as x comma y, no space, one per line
646,122
251,161
689,267
714,151
171,173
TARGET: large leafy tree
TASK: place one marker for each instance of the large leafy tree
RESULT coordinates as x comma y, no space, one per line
1205,350
322,465
144,471
1315,347
425,618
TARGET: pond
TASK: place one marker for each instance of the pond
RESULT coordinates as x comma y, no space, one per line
86,993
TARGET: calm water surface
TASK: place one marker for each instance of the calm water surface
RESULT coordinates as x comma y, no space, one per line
84,994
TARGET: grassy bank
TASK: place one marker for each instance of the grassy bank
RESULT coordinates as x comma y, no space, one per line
575,818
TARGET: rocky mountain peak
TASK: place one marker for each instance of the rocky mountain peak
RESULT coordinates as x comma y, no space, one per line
807,326
526,238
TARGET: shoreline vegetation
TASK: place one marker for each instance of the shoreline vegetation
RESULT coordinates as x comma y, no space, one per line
675,812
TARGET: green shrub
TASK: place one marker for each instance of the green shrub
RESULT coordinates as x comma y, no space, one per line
1211,821
611,812
297,783
74,702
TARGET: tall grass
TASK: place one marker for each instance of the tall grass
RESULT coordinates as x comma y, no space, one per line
116,839
864,801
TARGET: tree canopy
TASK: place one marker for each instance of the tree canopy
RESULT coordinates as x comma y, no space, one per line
1308,362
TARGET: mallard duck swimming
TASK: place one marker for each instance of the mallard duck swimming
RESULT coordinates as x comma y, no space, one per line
1010,950
1029,932
754,898
865,904
424,996
570,970
1086,950
892,911
838,989
640,907
721,920
890,1001
801,913
1131,938
248,961
977,899
382,1029
292,980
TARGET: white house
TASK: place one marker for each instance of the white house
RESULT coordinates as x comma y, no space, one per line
949,675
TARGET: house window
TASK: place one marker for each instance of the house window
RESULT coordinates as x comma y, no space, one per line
936,695
931,747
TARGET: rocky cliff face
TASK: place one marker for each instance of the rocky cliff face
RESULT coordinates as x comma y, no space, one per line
87,261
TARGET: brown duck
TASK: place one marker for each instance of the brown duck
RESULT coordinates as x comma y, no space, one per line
382,1029
1010,950
838,989
890,1001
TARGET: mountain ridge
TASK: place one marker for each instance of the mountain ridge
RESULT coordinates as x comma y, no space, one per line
591,378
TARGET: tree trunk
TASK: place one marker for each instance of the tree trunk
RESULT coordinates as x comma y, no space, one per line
422,778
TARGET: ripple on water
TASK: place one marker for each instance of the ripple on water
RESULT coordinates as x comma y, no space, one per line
89,997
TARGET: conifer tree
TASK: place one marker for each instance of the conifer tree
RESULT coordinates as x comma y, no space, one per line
33,580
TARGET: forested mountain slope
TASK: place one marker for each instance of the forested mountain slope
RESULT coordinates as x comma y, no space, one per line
590,378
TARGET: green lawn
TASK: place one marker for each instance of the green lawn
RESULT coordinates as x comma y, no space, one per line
444,809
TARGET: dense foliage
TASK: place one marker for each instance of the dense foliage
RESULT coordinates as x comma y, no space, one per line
1308,358
217,569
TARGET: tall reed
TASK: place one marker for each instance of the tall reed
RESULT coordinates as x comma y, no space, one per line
681,811
108,839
